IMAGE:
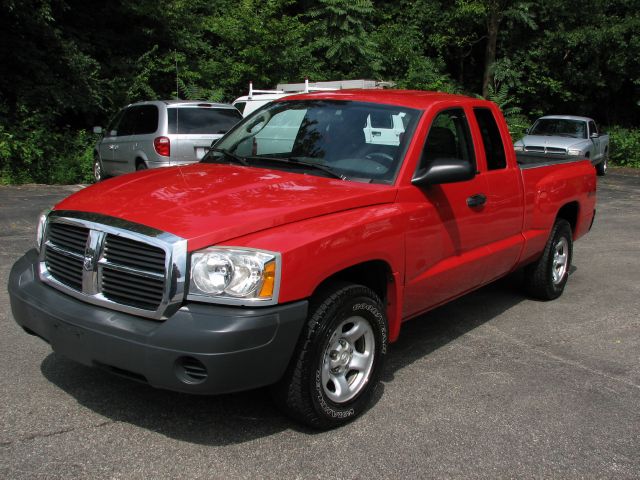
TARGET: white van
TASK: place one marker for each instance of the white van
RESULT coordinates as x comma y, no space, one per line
257,98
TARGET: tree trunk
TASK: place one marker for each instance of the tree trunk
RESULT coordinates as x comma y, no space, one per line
493,23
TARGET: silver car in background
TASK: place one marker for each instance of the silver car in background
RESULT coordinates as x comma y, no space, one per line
160,134
565,136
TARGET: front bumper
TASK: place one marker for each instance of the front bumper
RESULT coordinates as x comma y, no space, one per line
205,349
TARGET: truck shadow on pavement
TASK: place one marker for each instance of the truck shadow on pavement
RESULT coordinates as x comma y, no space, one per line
241,417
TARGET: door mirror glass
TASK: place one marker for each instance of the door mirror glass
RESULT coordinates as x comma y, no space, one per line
97,130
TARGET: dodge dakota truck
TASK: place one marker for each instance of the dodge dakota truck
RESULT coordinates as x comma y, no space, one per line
565,136
293,252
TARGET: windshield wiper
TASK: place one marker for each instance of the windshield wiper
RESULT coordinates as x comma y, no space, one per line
296,161
227,154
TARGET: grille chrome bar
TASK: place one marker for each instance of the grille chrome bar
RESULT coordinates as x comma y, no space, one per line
122,265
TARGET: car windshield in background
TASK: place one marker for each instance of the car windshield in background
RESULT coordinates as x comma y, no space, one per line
342,139
560,127
201,120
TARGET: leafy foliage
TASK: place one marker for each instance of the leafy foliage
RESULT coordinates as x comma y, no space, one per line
625,146
66,67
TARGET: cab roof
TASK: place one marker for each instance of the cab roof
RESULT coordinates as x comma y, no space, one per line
418,99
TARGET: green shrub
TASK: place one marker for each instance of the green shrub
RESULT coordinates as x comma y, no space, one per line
31,153
624,144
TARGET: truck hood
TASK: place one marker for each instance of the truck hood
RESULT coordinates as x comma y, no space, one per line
209,204
551,141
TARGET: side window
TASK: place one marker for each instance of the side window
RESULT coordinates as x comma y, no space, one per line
449,137
112,129
146,120
127,123
592,128
240,106
491,139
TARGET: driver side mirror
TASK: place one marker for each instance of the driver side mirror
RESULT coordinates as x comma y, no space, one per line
444,170
97,130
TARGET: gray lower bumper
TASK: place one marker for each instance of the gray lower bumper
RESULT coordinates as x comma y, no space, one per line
238,348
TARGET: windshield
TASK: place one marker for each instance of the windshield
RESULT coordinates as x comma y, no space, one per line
351,140
559,127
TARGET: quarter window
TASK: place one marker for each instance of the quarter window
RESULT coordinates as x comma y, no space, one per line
491,139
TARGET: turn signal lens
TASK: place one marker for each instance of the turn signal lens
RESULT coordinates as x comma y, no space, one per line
269,280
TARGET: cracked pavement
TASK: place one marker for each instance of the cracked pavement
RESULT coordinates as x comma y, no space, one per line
492,385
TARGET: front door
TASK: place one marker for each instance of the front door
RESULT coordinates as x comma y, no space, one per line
447,241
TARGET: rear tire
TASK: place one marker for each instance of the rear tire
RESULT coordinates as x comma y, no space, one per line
546,278
601,168
141,166
338,360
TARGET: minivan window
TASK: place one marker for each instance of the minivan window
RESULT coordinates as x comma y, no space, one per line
201,120
127,123
114,124
146,119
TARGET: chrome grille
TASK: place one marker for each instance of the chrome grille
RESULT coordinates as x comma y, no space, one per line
64,268
547,150
134,254
64,253
133,273
69,237
114,263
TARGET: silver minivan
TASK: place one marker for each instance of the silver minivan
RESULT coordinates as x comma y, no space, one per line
160,134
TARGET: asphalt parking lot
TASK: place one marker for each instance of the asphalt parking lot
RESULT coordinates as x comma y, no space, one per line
493,385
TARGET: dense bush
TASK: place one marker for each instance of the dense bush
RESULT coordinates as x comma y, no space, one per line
624,147
32,154
60,77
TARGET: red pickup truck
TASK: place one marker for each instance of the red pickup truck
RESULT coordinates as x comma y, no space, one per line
291,255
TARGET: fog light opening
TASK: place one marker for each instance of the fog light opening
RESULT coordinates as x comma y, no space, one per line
191,370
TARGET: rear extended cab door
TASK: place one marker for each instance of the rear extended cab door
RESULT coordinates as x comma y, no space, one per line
463,234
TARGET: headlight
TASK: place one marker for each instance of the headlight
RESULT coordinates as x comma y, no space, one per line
42,224
234,276
574,151
518,148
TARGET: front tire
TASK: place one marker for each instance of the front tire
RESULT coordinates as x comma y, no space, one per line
98,172
546,278
339,358
601,168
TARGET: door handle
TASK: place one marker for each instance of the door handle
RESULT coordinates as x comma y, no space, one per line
375,134
111,147
476,200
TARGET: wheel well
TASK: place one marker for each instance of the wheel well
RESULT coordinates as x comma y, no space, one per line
375,274
587,155
569,212
139,161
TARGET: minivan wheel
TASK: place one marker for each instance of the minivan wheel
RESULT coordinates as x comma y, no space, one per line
141,166
97,170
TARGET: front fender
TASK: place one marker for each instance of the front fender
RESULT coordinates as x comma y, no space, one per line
314,250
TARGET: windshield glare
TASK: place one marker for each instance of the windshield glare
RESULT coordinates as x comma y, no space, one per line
561,127
360,141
